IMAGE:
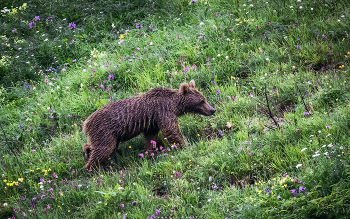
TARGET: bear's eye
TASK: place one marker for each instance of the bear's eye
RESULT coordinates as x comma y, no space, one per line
202,102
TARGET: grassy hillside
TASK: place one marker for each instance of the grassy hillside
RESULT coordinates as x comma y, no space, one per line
276,72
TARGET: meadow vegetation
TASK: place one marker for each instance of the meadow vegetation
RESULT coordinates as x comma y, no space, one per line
276,72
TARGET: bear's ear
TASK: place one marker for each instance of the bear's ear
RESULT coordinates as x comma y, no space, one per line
184,88
192,84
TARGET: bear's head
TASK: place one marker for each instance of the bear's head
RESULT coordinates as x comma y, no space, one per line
193,101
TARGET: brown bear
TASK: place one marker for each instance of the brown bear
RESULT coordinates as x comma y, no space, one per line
149,113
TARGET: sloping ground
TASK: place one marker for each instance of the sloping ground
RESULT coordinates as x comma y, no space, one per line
277,146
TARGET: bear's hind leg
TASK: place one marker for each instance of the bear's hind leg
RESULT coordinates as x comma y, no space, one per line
101,152
86,152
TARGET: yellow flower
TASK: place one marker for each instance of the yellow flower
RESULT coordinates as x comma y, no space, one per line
189,160
198,187
49,169
259,191
121,36
31,171
37,168
21,179
5,180
285,185
198,134
129,146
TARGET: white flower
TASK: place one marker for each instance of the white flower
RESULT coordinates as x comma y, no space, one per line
67,88
81,85
312,9
291,6
58,87
209,200
311,136
28,119
226,57
151,43
219,55
341,147
46,39
244,4
303,149
201,23
315,155
50,84
326,153
299,165
228,39
267,59
205,3
299,1
5,204
251,5
301,7
323,146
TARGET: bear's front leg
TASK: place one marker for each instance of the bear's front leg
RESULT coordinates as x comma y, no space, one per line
172,133
150,135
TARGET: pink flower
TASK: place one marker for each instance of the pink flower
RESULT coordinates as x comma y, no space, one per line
327,127
178,36
107,89
250,153
268,23
122,205
54,175
141,155
93,70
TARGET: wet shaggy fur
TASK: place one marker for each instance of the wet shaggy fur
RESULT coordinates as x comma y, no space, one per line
154,111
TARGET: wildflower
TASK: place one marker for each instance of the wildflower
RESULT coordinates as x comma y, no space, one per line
49,19
54,175
310,141
293,191
268,23
297,130
278,197
301,189
324,36
210,178
72,25
14,31
141,155
31,25
298,47
327,127
46,80
303,149
299,165
250,153
157,211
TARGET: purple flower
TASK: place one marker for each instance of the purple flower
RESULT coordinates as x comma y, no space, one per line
165,154
157,211
49,19
324,36
14,31
298,47
194,66
122,205
193,1
293,191
107,89
297,130
284,175
301,189
268,23
141,155
138,25
72,25
54,175
160,59
250,153
37,18
148,197
327,127
48,206
278,197
31,25
134,203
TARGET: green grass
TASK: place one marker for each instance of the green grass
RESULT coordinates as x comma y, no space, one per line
236,163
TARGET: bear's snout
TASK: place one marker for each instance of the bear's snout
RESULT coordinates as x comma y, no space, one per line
209,110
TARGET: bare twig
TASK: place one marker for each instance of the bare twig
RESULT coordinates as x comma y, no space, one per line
269,110
302,98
